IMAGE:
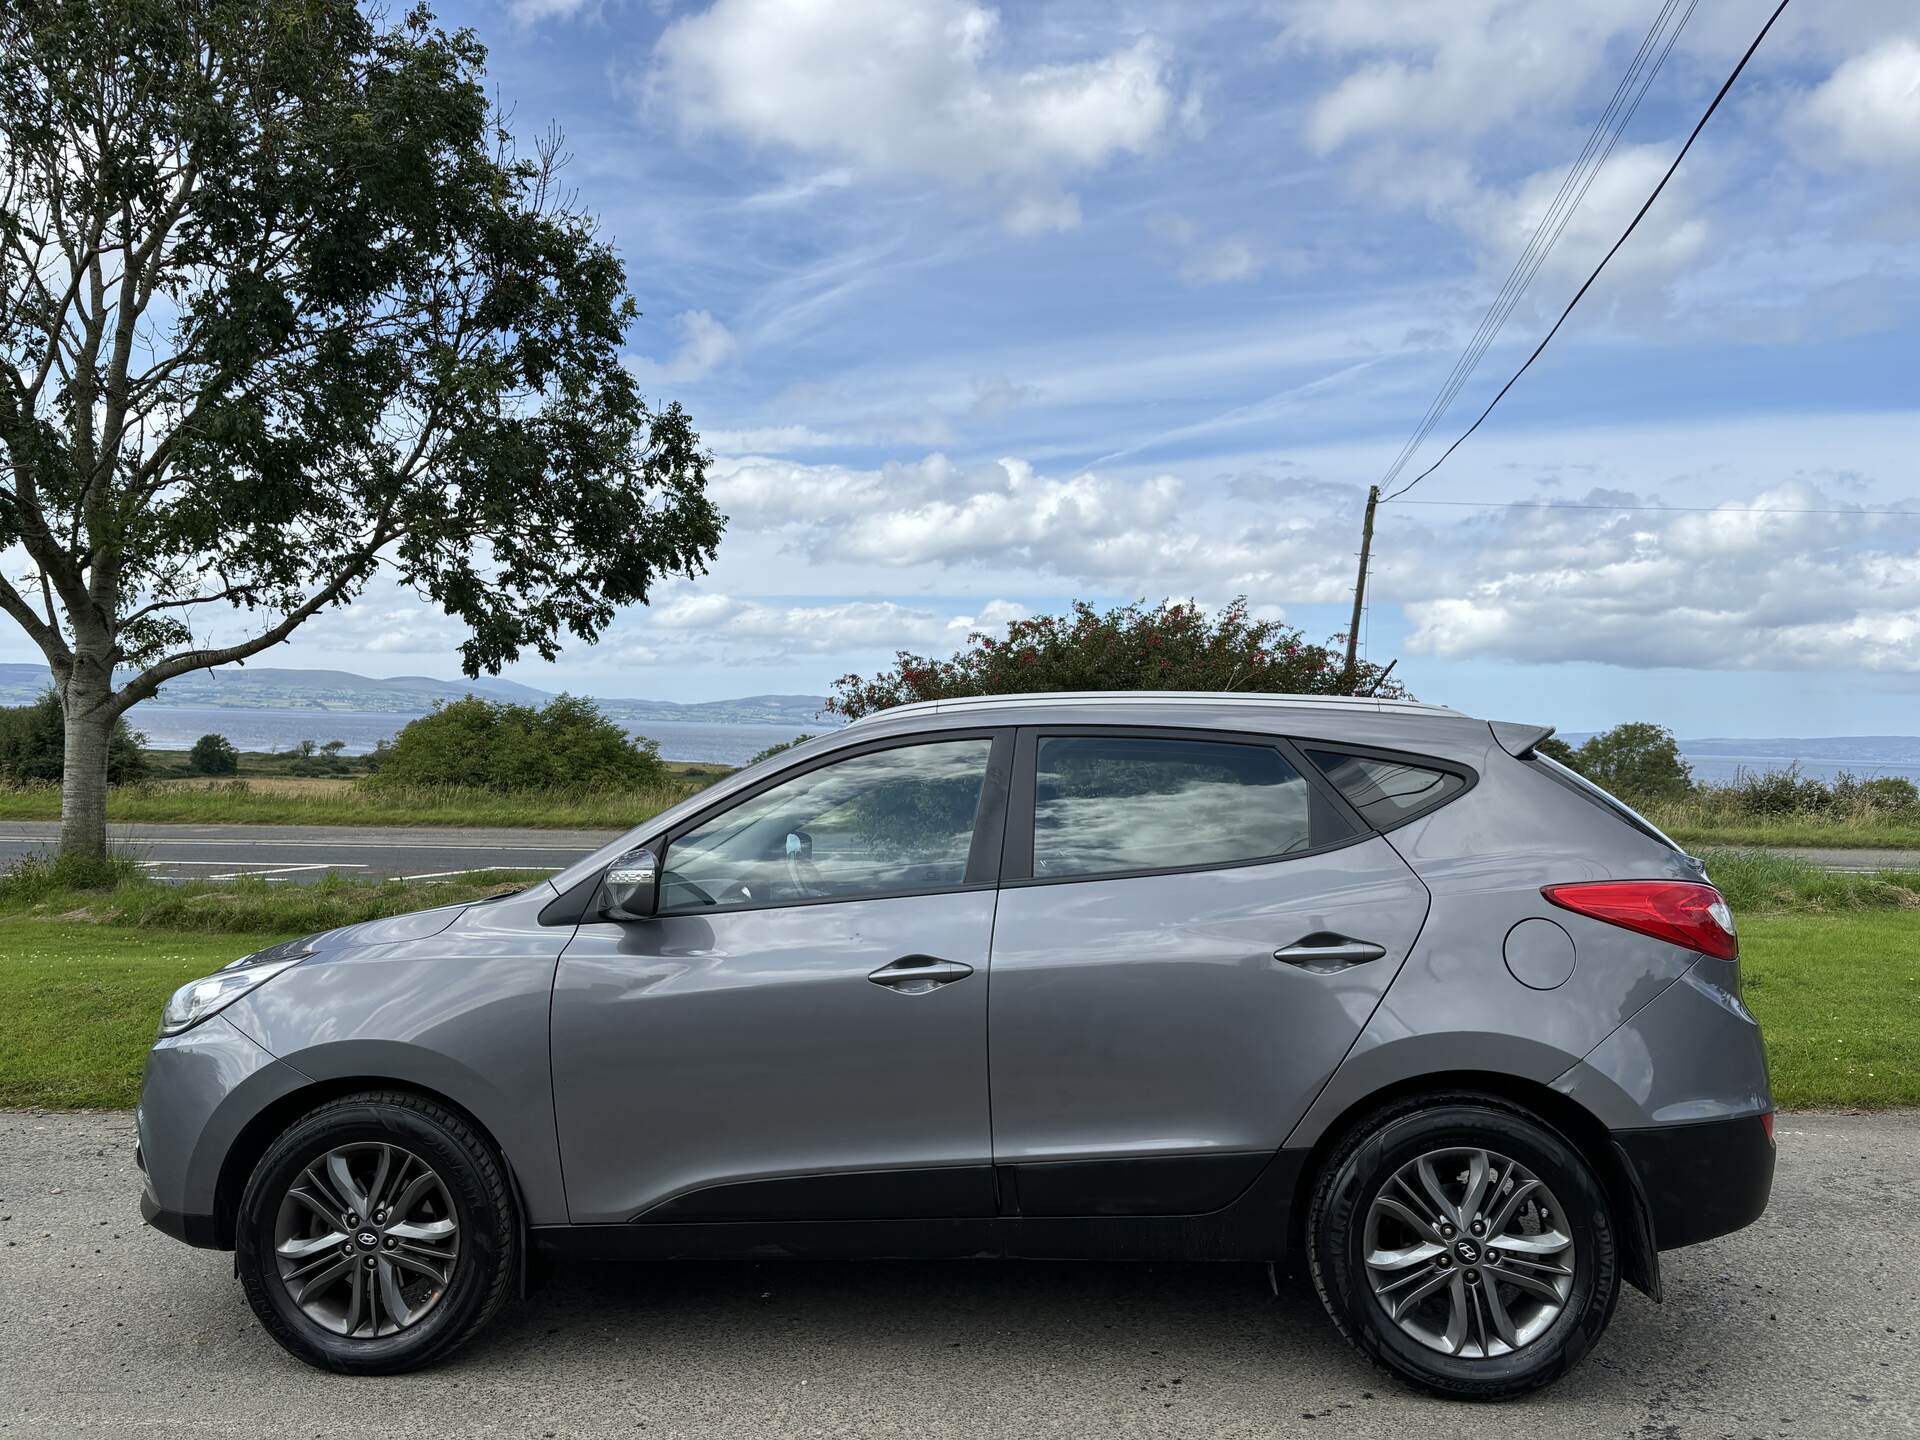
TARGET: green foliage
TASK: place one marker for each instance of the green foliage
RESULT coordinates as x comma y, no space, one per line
1554,748
780,749
566,746
1636,761
33,745
213,755
1169,646
338,323
1754,880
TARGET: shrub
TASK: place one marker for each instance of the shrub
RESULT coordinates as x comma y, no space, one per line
1637,761
781,748
566,745
33,745
213,755
1169,646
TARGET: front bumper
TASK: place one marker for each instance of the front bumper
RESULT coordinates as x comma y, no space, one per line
1702,1180
198,1230
201,1090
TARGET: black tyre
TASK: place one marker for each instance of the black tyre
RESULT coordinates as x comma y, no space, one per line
377,1234
1464,1245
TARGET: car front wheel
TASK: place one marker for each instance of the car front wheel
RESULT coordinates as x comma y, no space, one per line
376,1234
1465,1246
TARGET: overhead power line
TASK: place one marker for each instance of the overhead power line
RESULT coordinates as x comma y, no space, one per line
1632,225
1655,46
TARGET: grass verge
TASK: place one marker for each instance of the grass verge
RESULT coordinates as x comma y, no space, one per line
82,1002
1758,880
341,802
1838,996
83,978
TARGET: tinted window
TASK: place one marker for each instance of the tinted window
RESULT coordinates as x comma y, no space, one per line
1386,791
888,822
1115,803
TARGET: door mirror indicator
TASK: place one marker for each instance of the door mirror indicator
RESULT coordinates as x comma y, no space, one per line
631,890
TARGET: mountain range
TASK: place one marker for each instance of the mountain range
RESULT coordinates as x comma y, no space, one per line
340,692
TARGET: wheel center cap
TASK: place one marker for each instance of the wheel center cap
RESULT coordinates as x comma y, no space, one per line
367,1239
1468,1251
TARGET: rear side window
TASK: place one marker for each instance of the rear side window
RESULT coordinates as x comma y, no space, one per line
1112,804
1387,791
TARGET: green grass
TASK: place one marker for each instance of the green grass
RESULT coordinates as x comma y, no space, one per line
1757,880
1839,999
119,894
339,802
82,1001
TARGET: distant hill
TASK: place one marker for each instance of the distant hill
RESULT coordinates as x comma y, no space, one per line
340,692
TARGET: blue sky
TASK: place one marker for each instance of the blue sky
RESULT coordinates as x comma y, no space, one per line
983,308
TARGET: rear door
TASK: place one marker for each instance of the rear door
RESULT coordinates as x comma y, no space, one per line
1193,928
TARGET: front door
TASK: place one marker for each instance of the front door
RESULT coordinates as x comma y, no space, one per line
800,1033
1191,934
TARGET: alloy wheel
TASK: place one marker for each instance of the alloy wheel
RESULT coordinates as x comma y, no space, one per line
366,1240
1469,1253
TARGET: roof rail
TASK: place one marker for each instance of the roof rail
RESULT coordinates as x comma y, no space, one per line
1158,697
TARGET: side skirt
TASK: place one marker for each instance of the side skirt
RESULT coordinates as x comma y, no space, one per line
1253,1227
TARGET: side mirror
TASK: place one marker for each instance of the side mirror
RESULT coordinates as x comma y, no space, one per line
632,886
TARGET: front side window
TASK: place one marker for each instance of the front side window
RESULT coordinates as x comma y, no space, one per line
1107,804
888,822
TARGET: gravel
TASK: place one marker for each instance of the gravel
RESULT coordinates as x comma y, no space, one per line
1802,1326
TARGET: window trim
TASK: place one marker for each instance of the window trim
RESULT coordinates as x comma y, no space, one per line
1395,757
1016,869
983,855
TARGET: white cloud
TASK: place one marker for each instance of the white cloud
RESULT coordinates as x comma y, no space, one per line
1207,259
1868,110
713,621
705,346
913,87
1736,588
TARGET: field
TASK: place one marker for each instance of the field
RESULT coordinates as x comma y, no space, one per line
1831,964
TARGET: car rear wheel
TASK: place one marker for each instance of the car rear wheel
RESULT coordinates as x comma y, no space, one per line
1464,1245
376,1234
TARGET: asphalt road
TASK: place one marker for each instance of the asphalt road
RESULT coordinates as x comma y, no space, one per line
1804,1325
296,853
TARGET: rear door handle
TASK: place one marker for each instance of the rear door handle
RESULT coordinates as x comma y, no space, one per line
917,974
1323,952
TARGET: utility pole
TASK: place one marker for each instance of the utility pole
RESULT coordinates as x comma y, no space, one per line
1360,584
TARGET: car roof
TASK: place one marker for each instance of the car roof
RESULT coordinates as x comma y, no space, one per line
1213,700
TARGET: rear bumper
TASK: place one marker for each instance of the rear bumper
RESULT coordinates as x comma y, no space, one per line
1702,1180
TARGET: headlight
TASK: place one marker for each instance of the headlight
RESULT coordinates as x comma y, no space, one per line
197,999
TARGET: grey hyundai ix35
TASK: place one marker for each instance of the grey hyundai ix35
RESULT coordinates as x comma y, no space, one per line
1366,985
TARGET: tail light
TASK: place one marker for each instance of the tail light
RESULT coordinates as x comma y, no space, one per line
1681,912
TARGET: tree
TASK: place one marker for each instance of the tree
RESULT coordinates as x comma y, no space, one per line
1169,646
779,749
33,745
281,303
567,744
213,755
1638,760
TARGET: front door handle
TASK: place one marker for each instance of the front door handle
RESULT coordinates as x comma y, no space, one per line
918,974
1324,952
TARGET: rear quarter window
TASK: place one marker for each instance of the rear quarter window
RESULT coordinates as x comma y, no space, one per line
1388,790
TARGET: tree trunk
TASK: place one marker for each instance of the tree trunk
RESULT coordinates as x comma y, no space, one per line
83,780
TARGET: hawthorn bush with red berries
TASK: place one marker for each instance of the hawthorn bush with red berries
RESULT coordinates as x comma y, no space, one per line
1170,646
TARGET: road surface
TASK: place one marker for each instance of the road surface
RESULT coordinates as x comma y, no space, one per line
294,853
1805,1325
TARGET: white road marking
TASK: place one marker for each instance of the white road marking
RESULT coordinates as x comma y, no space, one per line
288,869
